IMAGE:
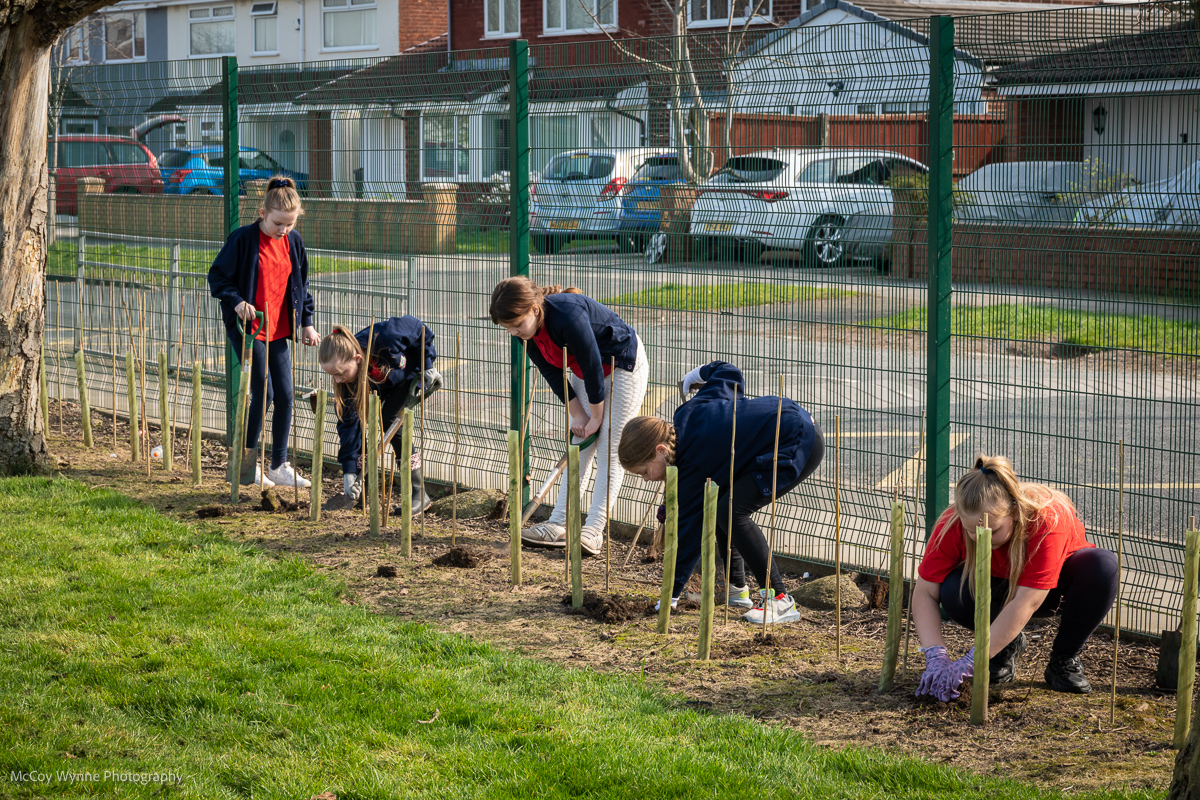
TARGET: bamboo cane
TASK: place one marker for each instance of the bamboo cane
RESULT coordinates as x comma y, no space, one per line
566,488
837,530
142,377
1112,699
454,485
178,369
194,436
371,466
768,593
574,533
421,378
85,411
1187,649
612,383
318,451
708,577
43,396
57,356
292,362
514,508
641,527
112,341
262,428
729,499
983,622
364,387
891,650
406,485
164,415
131,393
916,497
670,546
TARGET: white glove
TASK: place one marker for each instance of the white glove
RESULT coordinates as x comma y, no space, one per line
690,381
352,486
674,603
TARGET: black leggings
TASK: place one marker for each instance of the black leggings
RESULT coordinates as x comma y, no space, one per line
1086,589
279,392
750,547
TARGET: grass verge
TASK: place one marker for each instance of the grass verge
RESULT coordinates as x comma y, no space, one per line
1091,329
721,296
136,646
61,259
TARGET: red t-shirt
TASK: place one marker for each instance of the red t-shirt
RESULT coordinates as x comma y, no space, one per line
1054,536
553,353
271,294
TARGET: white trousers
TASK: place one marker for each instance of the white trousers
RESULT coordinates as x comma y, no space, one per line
628,393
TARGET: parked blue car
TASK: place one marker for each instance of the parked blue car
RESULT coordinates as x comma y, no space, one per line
201,170
641,210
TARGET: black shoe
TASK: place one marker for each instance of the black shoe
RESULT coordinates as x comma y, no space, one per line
1065,674
1002,668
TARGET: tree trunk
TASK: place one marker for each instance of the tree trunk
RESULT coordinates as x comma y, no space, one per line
24,83
1185,783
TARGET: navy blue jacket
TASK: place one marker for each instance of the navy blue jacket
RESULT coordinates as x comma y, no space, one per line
702,434
593,334
233,278
397,345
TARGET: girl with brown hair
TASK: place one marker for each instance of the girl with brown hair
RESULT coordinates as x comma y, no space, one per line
549,318
1041,566
396,369
264,267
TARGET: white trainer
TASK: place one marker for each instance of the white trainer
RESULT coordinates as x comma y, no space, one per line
259,481
674,604
740,596
591,541
545,534
778,610
284,475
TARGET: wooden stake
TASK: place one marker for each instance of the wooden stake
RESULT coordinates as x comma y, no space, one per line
708,574
768,590
292,362
318,451
142,376
891,649
916,497
406,485
364,385
112,341
983,622
371,466
641,527
57,355
262,428
131,393
612,383
1112,698
837,529
195,437
421,378
1187,649
85,410
164,416
43,396
574,526
514,507
178,369
729,521
566,487
454,486
670,546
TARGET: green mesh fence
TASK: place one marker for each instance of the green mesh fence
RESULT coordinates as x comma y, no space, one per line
985,228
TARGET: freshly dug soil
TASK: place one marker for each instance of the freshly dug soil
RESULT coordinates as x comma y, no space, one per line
459,557
613,609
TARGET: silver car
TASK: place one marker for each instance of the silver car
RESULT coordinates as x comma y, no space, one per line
832,205
577,195
1033,192
1173,203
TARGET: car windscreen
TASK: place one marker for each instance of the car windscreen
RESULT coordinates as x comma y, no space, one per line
662,168
173,159
578,167
750,169
122,153
259,161
81,154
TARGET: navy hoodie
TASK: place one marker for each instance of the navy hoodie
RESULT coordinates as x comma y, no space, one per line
702,434
593,334
233,278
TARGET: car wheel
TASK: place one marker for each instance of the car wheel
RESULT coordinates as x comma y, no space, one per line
750,252
824,246
656,248
547,244
126,190
199,191
631,242
883,265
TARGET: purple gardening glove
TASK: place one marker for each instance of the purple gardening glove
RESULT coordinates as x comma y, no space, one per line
936,662
951,678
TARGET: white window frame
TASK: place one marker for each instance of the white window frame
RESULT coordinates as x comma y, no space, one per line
270,13
139,23
500,33
350,6
461,121
209,19
764,15
562,10
74,40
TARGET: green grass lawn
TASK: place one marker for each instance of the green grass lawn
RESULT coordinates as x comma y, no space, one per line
133,644
61,258
721,296
1044,323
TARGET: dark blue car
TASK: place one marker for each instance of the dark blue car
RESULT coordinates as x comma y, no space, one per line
201,170
641,210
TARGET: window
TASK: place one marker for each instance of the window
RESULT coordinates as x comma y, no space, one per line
750,169
660,168
209,132
125,37
444,147
578,16
73,48
867,109
818,172
76,125
602,132
266,28
211,31
122,153
714,13
549,135
81,154
578,167
174,159
502,18
348,24
258,161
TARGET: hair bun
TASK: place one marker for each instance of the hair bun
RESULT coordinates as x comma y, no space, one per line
279,183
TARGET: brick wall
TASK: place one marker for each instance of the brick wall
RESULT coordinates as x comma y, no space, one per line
420,21
1043,129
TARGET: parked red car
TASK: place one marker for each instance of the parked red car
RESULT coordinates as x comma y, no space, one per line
124,164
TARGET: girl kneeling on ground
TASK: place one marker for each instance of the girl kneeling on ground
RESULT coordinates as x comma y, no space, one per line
397,370
264,267
550,317
1041,566
698,444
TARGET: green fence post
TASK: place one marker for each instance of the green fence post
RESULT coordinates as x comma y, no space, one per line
941,184
518,226
230,188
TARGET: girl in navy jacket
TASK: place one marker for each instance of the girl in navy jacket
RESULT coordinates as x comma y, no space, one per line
396,369
549,317
263,267
698,444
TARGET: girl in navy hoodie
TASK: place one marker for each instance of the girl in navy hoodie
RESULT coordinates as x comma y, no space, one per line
697,443
263,267
396,369
549,317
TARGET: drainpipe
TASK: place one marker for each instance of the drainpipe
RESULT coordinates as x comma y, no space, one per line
641,122
303,33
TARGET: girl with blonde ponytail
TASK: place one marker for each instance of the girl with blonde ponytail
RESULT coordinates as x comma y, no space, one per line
1041,566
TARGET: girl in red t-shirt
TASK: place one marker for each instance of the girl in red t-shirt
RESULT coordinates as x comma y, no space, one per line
1041,566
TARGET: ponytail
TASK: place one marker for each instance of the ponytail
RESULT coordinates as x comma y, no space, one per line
640,440
513,298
